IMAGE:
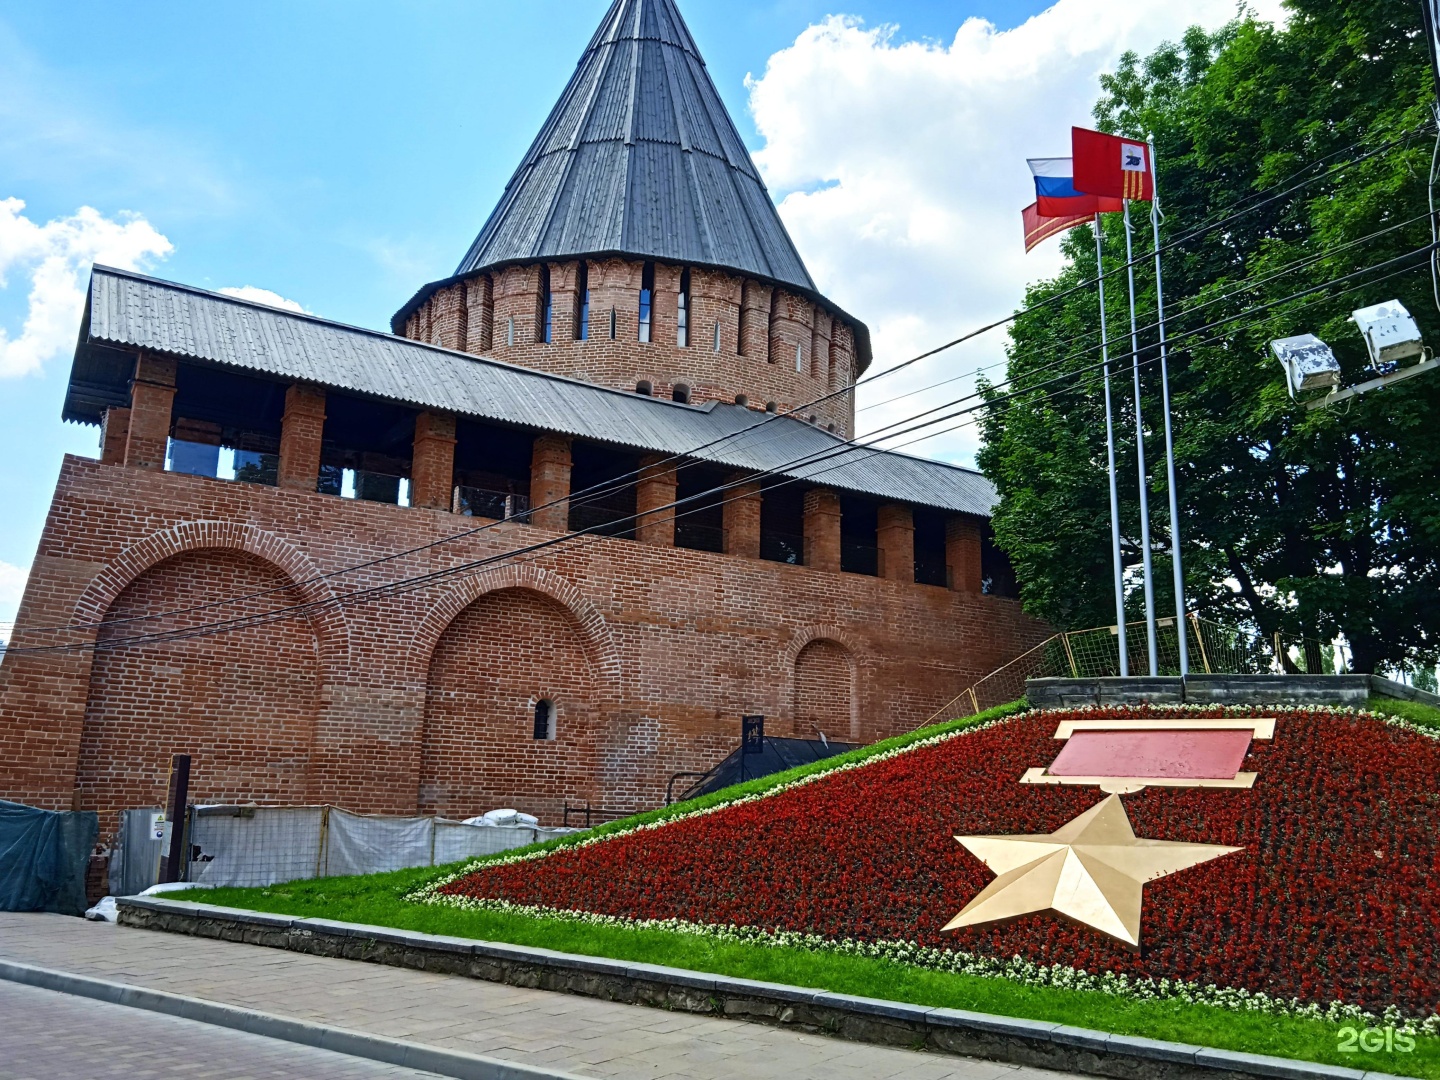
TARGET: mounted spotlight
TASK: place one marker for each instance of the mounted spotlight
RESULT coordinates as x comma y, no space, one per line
1389,332
1308,362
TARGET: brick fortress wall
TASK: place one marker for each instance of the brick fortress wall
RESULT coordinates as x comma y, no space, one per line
743,337
424,699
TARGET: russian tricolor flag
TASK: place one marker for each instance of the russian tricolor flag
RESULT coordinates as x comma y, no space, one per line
1055,194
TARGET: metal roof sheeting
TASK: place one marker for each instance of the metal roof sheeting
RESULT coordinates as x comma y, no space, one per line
132,311
640,157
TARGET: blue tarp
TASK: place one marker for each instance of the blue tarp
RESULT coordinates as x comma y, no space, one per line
43,856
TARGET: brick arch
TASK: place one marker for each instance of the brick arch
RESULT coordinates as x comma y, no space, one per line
600,645
331,628
493,647
830,639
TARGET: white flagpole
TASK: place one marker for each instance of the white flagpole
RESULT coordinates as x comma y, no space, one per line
1169,439
1110,455
1140,452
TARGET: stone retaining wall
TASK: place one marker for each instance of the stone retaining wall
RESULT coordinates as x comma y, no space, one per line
890,1023
1205,689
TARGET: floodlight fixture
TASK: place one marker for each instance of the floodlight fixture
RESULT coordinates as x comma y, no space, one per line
1390,333
1308,362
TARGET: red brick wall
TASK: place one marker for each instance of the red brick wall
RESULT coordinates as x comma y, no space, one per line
824,671
501,655
679,644
243,704
756,355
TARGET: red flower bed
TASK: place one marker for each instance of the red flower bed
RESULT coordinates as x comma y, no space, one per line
1333,899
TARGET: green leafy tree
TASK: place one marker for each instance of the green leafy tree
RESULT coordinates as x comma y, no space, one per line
1297,522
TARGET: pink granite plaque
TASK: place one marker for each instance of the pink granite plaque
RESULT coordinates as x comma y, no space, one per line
1171,755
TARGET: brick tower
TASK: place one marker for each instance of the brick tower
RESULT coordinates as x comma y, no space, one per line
637,247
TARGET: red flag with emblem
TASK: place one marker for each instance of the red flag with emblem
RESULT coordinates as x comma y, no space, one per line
1112,165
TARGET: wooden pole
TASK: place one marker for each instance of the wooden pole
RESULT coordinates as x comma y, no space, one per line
174,867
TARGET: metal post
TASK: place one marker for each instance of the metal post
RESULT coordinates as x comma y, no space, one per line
1140,455
1110,458
1169,438
1200,640
179,797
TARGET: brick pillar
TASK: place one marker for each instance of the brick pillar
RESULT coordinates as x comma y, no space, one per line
301,430
550,482
152,393
822,529
896,540
962,554
432,464
742,517
755,320
655,488
480,314
114,431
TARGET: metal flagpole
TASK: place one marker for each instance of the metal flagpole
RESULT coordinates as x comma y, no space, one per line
1169,438
1140,452
1110,454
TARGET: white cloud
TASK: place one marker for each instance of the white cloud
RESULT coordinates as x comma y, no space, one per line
903,165
55,259
257,295
12,584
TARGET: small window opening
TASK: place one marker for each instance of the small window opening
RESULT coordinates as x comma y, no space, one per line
544,719
644,387
681,393
510,330
799,357
682,312
717,337
547,305
647,292
582,299
770,406
612,324
741,400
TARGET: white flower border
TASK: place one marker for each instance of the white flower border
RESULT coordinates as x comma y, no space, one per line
1016,968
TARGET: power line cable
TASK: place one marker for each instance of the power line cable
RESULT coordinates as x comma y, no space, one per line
615,484
391,588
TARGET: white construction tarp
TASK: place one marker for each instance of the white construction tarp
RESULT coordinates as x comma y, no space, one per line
265,845
260,845
360,844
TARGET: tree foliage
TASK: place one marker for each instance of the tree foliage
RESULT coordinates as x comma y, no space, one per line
1304,523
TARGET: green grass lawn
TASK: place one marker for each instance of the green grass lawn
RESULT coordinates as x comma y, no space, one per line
379,900
1424,715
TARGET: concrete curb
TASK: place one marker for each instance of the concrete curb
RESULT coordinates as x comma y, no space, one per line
891,1023
356,1044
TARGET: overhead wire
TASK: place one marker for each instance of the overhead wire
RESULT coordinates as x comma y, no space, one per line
611,485
419,581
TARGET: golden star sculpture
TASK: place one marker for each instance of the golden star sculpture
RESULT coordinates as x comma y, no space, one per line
1092,869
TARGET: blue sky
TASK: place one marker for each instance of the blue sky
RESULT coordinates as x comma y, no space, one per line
343,153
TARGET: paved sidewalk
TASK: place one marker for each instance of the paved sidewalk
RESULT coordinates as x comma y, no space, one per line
581,1035
50,1036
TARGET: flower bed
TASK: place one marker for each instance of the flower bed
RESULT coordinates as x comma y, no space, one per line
1333,899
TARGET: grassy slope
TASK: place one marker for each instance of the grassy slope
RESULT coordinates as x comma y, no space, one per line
1424,715
378,899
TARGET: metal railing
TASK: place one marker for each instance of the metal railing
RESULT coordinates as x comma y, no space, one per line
484,503
1215,649
591,815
